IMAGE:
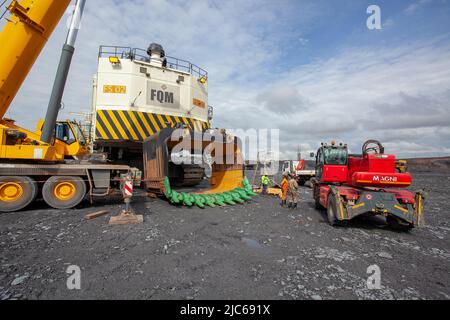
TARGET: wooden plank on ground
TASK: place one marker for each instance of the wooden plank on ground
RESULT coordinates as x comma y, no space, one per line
95,215
126,219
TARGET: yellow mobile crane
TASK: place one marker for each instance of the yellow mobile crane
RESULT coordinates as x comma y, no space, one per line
25,34
54,160
46,158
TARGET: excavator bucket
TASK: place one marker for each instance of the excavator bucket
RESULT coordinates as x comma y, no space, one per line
177,158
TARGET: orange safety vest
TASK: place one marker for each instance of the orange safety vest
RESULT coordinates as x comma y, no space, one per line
284,188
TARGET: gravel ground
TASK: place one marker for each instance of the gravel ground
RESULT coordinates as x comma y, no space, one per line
252,251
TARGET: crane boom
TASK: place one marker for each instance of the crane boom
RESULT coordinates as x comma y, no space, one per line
22,39
62,73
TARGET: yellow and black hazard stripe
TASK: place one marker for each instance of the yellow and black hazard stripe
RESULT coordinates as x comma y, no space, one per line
136,126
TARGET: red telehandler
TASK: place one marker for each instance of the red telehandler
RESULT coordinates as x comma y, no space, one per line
352,185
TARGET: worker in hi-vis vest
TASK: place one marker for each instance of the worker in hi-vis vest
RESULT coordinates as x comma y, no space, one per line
284,189
265,183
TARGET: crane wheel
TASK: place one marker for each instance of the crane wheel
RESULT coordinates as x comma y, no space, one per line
62,192
16,193
332,210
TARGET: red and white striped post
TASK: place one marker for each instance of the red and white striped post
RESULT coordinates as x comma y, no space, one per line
128,187
127,190
127,216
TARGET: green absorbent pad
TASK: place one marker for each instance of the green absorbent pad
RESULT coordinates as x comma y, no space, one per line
238,195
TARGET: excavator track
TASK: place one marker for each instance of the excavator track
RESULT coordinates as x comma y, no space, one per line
192,175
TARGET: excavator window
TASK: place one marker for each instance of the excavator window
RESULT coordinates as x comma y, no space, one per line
335,156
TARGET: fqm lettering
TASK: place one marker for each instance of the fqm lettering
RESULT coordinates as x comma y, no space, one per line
161,96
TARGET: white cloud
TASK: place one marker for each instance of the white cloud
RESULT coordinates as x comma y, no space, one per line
361,93
231,39
415,6
388,23
303,41
283,99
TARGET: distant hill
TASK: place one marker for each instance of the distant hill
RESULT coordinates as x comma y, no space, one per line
441,164
437,164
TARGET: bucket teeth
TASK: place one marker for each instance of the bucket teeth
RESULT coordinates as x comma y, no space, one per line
187,199
250,192
175,197
200,201
243,194
219,200
232,197
210,201
236,198
167,189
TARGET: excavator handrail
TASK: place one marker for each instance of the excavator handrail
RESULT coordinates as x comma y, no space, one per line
142,55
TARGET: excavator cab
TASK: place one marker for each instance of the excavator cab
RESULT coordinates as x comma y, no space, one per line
331,163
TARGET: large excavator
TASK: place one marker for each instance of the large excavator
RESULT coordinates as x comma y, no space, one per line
55,161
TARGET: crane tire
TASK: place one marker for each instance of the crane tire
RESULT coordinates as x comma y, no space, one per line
64,192
16,192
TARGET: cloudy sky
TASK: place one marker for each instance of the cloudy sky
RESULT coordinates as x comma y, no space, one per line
309,68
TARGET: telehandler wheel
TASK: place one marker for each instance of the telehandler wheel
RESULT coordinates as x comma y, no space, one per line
16,193
317,204
332,210
316,193
62,192
396,224
301,181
